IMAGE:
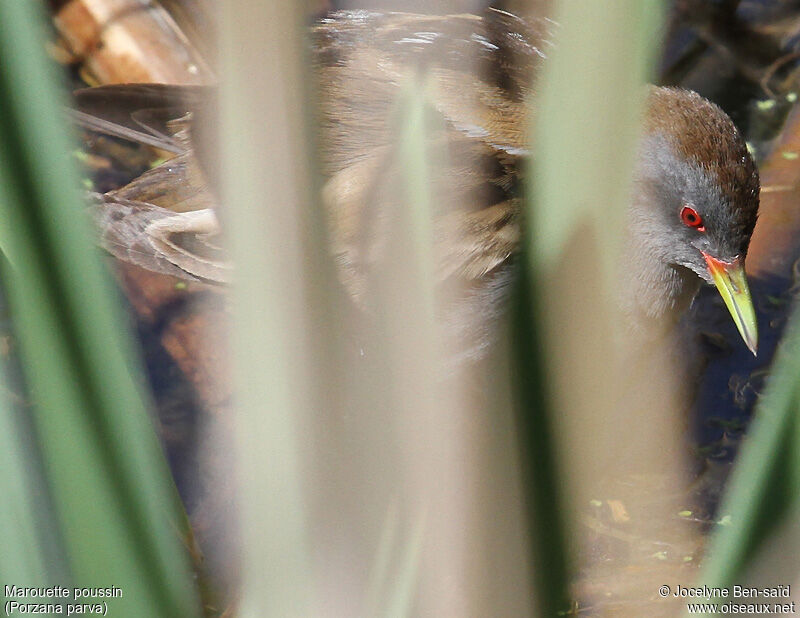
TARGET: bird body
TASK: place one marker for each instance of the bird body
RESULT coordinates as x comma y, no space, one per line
695,189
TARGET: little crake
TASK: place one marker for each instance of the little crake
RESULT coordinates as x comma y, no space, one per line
695,187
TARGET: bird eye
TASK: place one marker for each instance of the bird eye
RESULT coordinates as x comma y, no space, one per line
690,218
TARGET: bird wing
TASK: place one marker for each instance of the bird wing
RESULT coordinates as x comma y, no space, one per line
481,67
477,243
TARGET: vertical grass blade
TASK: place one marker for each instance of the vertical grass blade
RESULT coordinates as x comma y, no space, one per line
542,475
267,187
405,301
588,102
762,494
115,503
29,546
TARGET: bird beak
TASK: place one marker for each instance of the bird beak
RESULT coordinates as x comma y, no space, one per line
731,282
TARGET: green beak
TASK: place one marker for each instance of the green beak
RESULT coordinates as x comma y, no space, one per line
731,282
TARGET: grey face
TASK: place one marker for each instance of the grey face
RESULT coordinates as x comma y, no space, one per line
666,183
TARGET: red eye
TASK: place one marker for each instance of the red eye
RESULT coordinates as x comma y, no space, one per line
690,218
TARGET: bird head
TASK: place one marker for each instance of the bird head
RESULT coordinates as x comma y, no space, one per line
696,197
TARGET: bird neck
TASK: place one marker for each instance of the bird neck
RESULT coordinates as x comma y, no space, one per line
654,294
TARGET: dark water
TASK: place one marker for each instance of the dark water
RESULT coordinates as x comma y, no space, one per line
733,379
